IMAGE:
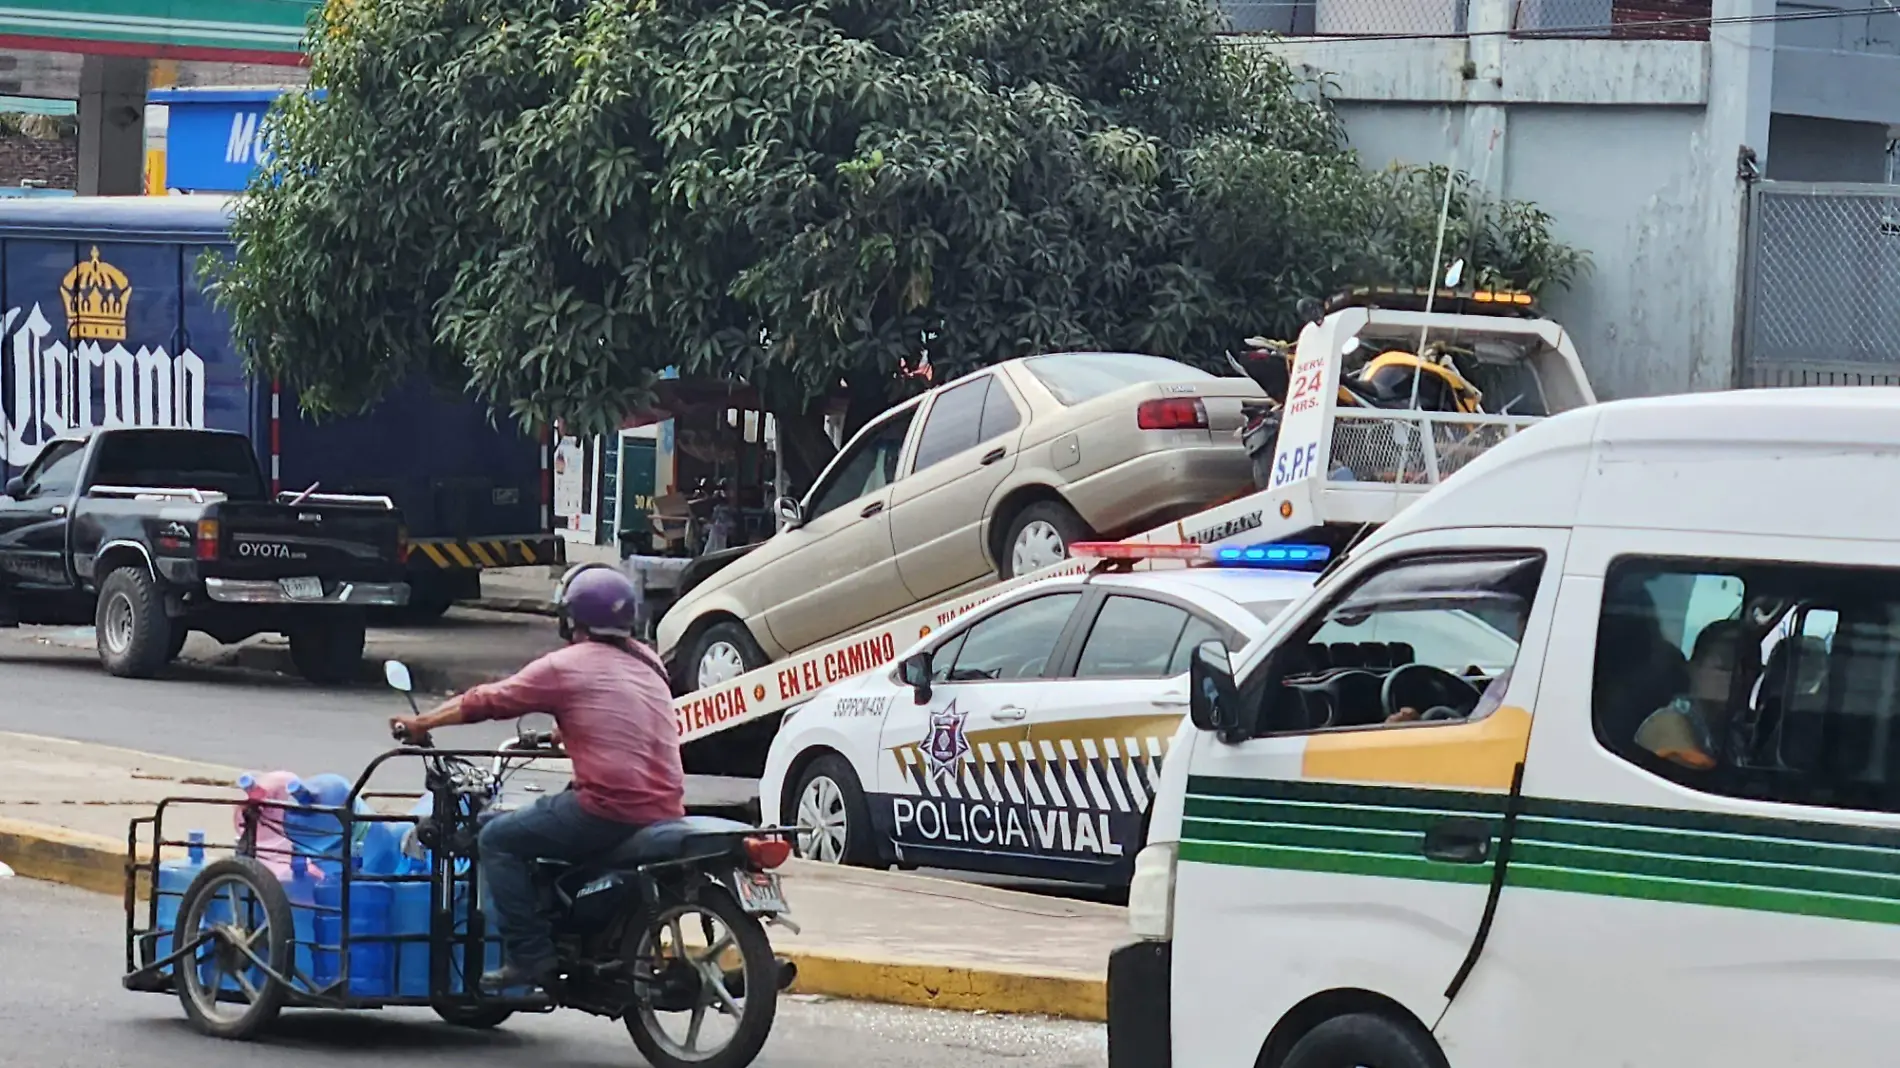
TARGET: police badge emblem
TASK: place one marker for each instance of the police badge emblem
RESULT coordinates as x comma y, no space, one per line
946,745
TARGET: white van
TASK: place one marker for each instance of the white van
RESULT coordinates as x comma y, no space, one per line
1662,828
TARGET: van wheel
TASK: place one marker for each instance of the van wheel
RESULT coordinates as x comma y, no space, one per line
130,626
330,652
723,652
833,820
1039,537
1365,1040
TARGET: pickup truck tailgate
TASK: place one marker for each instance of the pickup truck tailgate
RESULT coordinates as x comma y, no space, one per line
274,541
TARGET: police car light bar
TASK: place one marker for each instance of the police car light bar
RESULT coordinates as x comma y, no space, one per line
1271,554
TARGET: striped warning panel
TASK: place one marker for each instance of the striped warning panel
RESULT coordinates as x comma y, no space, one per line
475,554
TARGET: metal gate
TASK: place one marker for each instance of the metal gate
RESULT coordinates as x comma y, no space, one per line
1821,285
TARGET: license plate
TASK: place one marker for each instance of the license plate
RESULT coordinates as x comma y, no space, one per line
759,892
302,589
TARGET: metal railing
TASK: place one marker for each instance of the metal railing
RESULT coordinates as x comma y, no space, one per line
1412,447
1606,19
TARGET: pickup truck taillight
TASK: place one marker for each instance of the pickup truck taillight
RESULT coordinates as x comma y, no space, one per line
402,545
1172,413
206,547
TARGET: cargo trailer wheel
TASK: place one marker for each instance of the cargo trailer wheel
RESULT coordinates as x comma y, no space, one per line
133,634
241,912
329,651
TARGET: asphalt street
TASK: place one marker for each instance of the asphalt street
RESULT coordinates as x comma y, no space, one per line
61,1005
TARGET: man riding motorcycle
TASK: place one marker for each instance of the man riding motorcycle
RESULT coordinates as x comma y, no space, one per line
613,712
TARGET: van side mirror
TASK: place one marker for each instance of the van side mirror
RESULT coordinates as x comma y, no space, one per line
1213,699
790,512
16,488
916,671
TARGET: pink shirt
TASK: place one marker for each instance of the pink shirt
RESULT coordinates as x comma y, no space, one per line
616,717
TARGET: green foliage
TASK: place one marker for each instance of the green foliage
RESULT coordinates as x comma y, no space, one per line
553,200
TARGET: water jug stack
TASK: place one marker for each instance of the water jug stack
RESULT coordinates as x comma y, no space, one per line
301,887
370,962
174,878
274,848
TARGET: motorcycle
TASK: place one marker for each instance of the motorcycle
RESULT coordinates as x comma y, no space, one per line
666,932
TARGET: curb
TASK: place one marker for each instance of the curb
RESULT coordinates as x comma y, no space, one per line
93,862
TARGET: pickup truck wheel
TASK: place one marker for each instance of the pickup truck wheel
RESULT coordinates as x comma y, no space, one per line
329,652
132,630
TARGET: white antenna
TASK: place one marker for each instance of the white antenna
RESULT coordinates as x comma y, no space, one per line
1431,280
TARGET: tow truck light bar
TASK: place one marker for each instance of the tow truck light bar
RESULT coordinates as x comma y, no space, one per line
1412,298
1271,554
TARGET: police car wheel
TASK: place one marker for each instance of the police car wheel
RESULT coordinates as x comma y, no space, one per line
1365,1040
833,819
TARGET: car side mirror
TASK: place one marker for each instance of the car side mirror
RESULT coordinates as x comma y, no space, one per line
790,512
1213,699
16,488
396,673
916,672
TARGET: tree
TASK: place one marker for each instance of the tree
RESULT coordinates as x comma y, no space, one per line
550,201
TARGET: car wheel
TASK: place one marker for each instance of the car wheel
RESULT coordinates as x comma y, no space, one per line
832,816
723,653
1040,537
1365,1040
132,630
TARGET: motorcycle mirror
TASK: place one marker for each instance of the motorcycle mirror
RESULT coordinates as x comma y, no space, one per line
396,673
790,512
1455,273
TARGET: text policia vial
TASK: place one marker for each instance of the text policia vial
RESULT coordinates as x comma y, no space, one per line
950,821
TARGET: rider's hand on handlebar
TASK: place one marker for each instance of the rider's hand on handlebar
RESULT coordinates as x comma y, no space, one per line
408,730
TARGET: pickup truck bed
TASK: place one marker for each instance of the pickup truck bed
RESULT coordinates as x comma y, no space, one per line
152,534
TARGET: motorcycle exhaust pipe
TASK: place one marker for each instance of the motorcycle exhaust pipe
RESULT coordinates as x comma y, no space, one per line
735,978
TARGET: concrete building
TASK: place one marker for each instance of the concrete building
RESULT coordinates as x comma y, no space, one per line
1661,135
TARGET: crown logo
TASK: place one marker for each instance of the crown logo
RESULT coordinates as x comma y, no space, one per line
97,296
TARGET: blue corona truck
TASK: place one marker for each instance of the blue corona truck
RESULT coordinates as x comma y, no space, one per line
104,323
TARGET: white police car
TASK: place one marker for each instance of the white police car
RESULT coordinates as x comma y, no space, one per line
1033,739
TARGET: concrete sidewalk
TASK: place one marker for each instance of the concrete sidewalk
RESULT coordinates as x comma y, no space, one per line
465,648
868,935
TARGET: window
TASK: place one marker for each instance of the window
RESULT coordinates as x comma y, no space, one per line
172,460
868,466
1015,643
56,474
1770,681
1423,639
1076,377
1133,638
999,413
1197,633
956,416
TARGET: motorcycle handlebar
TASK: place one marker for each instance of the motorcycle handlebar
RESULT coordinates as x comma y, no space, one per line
401,734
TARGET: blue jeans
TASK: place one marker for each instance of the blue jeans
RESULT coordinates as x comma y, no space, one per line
553,828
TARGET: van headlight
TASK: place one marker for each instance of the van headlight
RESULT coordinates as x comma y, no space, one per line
1151,892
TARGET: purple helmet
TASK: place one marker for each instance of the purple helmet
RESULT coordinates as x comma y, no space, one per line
598,598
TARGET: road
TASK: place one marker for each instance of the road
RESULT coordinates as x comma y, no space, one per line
75,1014
261,722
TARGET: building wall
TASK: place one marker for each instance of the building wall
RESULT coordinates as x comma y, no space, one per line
27,159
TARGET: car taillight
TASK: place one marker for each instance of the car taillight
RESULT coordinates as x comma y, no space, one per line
207,544
1172,413
768,853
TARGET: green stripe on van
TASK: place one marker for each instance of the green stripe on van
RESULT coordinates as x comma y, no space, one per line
1769,865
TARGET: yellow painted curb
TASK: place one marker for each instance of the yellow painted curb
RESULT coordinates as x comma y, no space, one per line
948,986
93,862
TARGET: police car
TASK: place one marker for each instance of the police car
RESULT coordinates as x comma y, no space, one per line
1026,737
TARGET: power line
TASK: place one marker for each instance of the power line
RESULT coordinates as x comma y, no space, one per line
1584,31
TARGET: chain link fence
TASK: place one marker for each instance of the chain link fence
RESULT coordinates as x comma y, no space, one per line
1821,285
1612,19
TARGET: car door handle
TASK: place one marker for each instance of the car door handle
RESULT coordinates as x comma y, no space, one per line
1010,712
871,509
1458,841
994,455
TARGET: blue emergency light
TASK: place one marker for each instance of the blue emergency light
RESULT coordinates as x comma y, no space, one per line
1273,554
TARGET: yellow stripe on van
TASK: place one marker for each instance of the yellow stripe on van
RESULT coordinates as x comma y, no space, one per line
1482,755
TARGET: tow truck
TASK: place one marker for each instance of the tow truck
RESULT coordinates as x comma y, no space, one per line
1342,464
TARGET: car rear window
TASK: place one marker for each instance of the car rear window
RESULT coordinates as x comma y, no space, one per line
1077,377
170,459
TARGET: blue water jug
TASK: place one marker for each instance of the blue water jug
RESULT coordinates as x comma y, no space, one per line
301,887
174,878
370,963
410,918
315,834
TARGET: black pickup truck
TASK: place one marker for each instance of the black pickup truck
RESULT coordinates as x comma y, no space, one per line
150,534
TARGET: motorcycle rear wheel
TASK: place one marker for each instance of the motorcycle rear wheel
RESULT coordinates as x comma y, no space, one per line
653,946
